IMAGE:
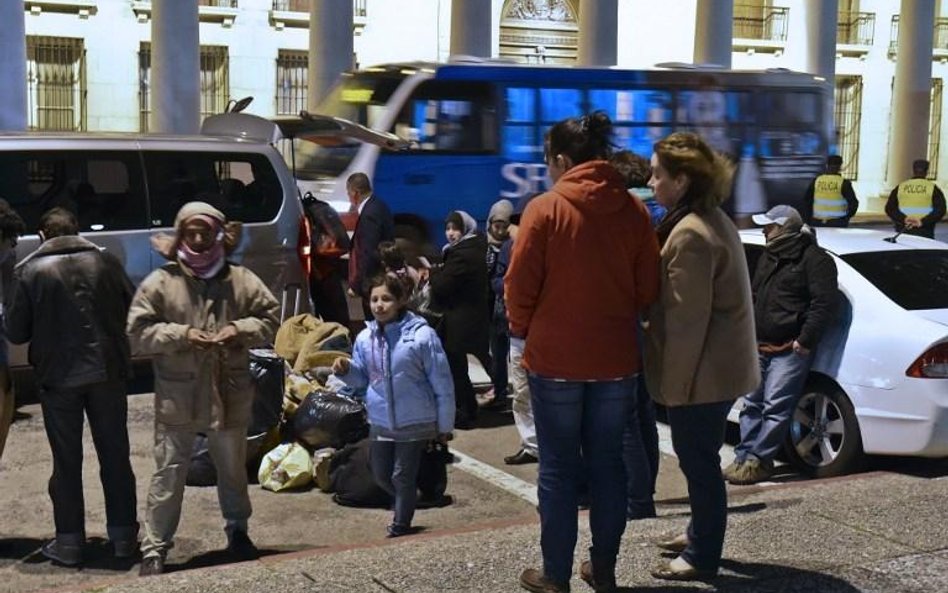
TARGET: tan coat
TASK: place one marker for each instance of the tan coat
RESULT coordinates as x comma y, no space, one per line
193,388
700,344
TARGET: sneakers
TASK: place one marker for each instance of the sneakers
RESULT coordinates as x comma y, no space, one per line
64,554
749,471
240,546
533,580
151,565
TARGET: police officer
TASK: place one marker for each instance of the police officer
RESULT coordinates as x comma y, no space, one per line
916,204
830,199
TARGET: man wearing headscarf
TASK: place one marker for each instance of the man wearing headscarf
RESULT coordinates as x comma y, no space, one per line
795,299
197,317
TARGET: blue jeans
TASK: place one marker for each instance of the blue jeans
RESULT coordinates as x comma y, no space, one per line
579,435
395,469
499,350
697,436
768,410
640,454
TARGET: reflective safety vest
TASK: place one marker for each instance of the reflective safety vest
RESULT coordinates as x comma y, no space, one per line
828,200
915,197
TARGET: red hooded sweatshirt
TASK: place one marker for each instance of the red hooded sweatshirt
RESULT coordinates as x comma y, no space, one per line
585,264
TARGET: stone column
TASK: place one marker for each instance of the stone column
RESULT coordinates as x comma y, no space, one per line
911,104
714,32
330,46
175,67
471,28
821,23
598,32
12,67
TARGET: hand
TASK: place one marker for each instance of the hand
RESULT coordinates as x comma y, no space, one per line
340,366
912,222
226,335
800,349
444,437
424,274
351,293
200,339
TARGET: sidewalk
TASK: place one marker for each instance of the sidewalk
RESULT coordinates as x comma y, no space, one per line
875,532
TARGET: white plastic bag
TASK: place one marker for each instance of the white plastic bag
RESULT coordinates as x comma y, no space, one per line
287,466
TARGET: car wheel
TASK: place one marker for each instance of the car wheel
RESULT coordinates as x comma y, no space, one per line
824,438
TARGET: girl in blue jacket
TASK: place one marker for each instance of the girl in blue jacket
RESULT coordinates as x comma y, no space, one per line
399,363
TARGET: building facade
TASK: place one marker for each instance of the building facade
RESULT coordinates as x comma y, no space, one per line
89,61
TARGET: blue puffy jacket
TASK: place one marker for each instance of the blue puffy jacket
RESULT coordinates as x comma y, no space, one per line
405,375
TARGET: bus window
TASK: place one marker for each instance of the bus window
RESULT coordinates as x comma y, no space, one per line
361,98
559,104
790,109
449,117
521,140
640,117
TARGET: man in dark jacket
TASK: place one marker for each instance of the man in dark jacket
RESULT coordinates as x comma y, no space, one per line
375,225
795,300
69,302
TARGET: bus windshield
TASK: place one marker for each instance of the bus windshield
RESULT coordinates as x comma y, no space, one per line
360,98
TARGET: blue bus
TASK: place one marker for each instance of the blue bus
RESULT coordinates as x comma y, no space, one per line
475,131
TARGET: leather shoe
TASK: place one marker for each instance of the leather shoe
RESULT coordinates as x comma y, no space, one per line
606,583
676,544
521,457
665,572
151,565
533,580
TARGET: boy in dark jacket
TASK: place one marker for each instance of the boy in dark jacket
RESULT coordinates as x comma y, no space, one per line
795,300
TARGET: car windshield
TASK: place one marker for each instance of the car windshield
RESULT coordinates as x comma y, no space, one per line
360,98
915,280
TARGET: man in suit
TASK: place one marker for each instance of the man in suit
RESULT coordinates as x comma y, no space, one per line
375,224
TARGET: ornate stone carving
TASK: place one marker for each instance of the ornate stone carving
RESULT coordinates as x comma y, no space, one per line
540,10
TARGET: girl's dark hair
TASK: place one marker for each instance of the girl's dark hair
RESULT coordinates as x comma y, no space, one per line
582,139
395,285
11,225
391,255
454,219
634,168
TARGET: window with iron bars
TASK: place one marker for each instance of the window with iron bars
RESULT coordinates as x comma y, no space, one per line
848,112
56,83
215,81
291,82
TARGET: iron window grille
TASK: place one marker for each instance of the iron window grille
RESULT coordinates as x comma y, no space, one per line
56,83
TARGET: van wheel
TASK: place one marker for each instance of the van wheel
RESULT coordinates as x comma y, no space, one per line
824,438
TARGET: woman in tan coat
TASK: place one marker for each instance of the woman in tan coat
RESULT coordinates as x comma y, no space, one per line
700,352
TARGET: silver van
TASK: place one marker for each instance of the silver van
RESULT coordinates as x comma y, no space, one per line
126,187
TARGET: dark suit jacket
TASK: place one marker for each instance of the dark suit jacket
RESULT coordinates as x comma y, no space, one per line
375,225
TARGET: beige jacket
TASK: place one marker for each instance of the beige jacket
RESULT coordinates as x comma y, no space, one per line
700,343
193,388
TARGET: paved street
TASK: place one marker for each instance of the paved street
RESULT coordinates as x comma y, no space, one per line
878,531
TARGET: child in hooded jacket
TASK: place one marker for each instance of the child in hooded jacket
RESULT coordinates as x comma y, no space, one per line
399,362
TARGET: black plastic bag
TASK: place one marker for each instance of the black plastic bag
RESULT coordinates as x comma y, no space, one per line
327,419
202,471
266,370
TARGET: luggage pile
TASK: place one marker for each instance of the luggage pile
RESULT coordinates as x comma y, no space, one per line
309,427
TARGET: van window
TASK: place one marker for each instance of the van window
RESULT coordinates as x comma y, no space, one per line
245,187
103,188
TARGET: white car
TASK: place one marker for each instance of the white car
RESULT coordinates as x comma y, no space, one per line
879,381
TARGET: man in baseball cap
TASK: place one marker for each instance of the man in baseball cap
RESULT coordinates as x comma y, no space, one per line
795,299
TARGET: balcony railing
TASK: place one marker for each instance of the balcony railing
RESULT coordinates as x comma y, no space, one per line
358,6
856,28
765,23
218,3
295,13
220,11
939,37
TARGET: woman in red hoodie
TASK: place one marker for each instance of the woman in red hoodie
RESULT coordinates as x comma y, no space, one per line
584,266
